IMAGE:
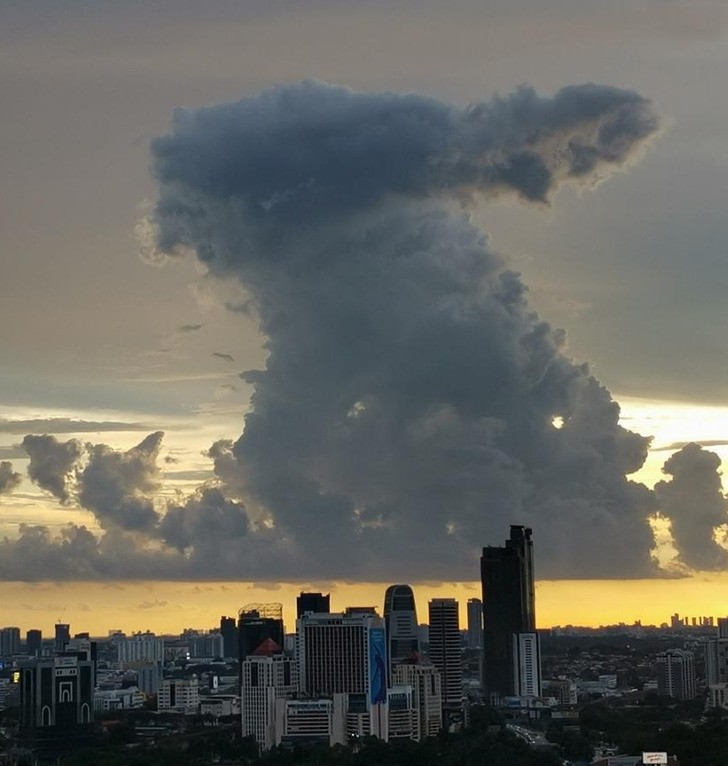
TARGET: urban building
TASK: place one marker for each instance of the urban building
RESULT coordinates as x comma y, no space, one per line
446,653
256,623
526,665
229,633
62,636
400,624
267,675
180,695
311,720
676,674
475,623
342,654
34,643
403,721
425,681
149,676
208,645
312,602
140,648
9,641
56,702
508,610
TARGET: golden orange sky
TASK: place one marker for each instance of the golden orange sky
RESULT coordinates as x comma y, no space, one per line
169,607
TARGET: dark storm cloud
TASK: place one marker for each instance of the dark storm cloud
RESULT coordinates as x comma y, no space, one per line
405,415
119,487
9,479
207,515
190,327
692,499
52,463
67,426
224,357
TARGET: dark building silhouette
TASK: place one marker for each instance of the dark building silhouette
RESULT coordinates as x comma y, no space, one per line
62,636
229,633
400,624
56,704
312,602
34,642
508,609
446,655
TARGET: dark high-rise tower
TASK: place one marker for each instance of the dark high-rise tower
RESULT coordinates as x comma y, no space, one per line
256,623
508,609
446,653
400,623
312,602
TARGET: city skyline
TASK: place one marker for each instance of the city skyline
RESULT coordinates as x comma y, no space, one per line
344,382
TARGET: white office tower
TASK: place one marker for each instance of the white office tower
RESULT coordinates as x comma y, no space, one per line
180,695
445,651
676,674
267,676
475,623
346,654
342,654
140,648
716,659
527,664
425,681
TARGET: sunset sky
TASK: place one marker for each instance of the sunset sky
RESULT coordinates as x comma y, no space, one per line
336,237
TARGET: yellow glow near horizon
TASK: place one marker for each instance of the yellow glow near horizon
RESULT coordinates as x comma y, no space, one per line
169,607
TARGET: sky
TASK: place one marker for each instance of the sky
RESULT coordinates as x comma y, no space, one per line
328,294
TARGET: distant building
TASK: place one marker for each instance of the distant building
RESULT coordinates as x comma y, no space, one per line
149,676
312,602
9,641
140,648
34,642
475,623
508,611
311,720
400,624
209,645
676,674
527,664
179,695
62,636
403,721
229,633
445,651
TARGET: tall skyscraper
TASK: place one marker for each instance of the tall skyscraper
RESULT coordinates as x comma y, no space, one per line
312,602
508,613
446,652
475,623
400,624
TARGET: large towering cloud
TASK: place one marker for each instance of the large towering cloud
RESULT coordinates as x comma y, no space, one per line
9,479
409,406
692,499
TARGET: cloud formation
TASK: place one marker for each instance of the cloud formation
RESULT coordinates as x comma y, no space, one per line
413,404
67,426
405,415
692,499
9,479
52,463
